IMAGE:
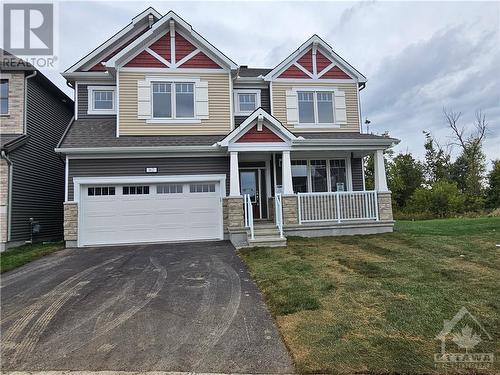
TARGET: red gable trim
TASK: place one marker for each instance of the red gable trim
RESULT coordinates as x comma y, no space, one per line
162,47
144,59
307,61
293,72
321,61
200,60
182,47
335,73
255,136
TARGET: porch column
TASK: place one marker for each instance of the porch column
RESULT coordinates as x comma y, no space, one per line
234,176
380,177
286,168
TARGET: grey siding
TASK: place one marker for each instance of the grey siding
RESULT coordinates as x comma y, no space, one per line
265,103
83,103
38,172
357,174
137,167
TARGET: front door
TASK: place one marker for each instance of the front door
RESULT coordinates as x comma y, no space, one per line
250,181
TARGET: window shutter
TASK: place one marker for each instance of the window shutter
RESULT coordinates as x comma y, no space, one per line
340,108
292,111
143,100
201,100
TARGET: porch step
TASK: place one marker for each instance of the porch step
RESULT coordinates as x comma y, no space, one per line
266,241
266,234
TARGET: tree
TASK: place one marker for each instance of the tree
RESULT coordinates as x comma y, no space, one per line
404,176
469,168
443,199
493,192
437,160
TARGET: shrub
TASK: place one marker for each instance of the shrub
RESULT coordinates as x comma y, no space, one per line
443,199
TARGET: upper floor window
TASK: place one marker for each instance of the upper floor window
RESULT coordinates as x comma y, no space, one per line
315,107
246,101
4,96
173,100
101,100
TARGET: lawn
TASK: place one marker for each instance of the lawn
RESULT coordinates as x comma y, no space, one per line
18,256
374,304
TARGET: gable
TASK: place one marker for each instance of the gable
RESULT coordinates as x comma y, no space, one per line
315,60
254,135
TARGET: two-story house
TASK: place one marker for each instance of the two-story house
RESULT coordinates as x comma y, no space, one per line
173,141
34,114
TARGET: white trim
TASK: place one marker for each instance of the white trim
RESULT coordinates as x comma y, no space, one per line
76,100
173,119
260,146
358,96
231,109
66,179
156,120
157,57
172,42
271,97
91,110
236,92
326,69
304,70
117,95
177,70
314,50
187,57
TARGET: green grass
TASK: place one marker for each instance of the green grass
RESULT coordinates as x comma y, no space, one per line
18,256
374,304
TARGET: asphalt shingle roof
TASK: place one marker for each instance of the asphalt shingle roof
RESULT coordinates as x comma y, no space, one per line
253,72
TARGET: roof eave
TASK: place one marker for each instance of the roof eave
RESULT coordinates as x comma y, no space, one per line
133,149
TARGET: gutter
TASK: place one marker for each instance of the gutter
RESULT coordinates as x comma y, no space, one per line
26,98
346,142
142,149
4,156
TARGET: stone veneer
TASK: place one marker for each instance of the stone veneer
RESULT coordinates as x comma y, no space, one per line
384,206
13,122
290,209
233,213
70,221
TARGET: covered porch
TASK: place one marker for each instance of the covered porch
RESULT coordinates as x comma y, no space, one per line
305,186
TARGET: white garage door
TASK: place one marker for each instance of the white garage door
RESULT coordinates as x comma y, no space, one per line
114,214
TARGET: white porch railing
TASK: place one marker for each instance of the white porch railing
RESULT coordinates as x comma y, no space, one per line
278,213
247,203
338,206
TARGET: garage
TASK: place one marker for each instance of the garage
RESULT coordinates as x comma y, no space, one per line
162,211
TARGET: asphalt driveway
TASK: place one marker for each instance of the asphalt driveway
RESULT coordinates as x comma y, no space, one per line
165,307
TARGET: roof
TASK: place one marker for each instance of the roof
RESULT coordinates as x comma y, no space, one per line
253,72
9,142
343,135
9,61
92,133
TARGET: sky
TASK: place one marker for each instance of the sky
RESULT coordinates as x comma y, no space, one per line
419,57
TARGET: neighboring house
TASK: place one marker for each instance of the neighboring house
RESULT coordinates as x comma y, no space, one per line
173,141
33,116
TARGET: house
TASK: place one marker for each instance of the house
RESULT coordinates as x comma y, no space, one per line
174,141
34,114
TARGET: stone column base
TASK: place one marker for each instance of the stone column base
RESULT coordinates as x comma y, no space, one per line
71,223
290,209
384,205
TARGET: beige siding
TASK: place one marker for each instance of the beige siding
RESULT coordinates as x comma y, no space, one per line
279,104
219,121
12,123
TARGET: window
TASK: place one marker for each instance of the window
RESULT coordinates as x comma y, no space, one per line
173,100
319,182
135,190
299,176
4,96
315,107
202,188
101,100
100,190
338,175
169,189
246,101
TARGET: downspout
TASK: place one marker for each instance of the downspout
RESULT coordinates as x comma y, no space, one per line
26,99
9,191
